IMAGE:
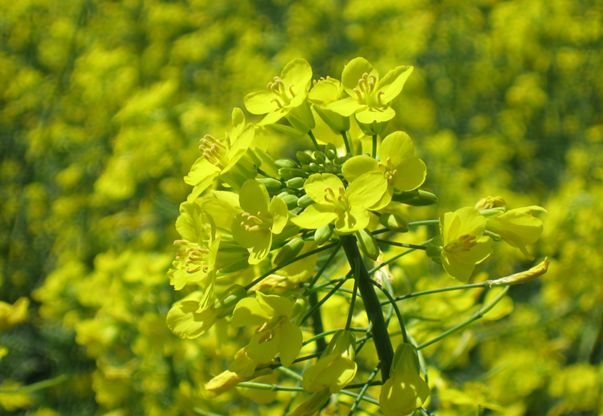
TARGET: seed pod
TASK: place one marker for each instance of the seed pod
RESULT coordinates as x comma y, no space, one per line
367,244
285,163
288,252
304,201
295,183
272,185
322,234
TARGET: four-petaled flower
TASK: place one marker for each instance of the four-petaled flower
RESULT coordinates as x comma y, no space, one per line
369,97
275,335
463,242
219,157
348,207
405,391
259,219
283,94
518,227
403,170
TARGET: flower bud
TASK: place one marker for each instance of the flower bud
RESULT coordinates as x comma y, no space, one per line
417,197
295,183
289,199
304,201
322,234
368,244
273,186
319,157
290,173
303,157
285,163
289,251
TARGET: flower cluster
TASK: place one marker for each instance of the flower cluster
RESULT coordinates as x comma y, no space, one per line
254,215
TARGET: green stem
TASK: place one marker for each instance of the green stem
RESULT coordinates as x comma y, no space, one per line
348,321
374,150
323,300
313,139
303,256
346,142
440,290
477,315
317,326
396,310
363,390
405,245
372,305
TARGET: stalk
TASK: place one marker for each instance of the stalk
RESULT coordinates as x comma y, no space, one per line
372,305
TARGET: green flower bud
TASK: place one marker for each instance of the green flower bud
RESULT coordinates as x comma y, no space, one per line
295,183
313,167
367,244
289,251
322,234
304,201
331,151
290,173
417,197
303,157
290,200
273,186
319,157
285,163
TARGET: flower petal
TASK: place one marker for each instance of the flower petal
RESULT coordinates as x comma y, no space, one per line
260,102
358,165
353,71
390,86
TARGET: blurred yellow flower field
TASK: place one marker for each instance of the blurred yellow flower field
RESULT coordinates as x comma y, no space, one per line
149,258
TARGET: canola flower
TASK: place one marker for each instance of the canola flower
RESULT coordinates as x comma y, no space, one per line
253,221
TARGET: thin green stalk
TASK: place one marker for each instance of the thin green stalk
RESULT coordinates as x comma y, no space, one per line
325,265
300,257
423,222
290,373
440,290
404,245
348,321
313,139
363,390
346,142
264,386
381,339
330,332
396,310
477,315
30,388
323,300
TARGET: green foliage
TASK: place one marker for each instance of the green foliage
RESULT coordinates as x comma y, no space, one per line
102,105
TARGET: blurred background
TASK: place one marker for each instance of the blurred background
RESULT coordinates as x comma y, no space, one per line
102,104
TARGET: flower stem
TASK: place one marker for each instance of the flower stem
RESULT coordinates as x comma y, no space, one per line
346,142
372,305
374,150
317,326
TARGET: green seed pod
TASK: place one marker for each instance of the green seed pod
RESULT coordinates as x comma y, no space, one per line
322,234
288,252
273,186
303,157
290,200
285,163
290,173
319,157
367,244
304,201
295,183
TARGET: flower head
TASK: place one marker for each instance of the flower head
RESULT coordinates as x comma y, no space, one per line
518,227
402,169
463,242
275,335
259,219
369,96
348,207
283,94
405,390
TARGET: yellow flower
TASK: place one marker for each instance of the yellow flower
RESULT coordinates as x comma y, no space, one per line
463,242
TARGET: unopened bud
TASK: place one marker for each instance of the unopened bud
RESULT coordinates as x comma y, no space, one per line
288,252
304,201
416,198
303,157
273,186
295,183
290,173
368,244
322,234
289,199
319,157
285,163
